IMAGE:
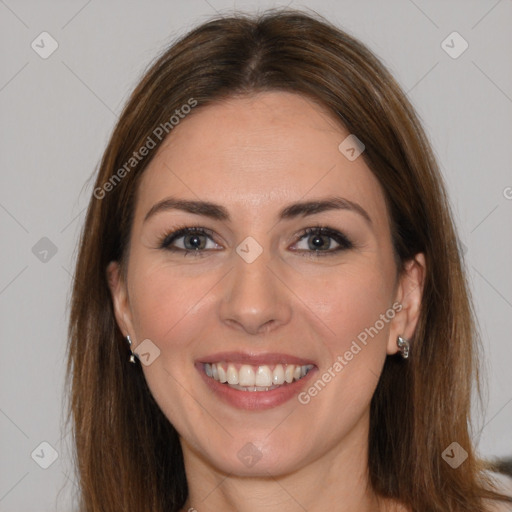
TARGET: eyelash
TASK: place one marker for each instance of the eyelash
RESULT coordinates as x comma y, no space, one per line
165,241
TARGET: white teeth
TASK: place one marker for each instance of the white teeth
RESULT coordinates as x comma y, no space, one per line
246,376
222,374
278,375
264,376
251,388
255,378
232,374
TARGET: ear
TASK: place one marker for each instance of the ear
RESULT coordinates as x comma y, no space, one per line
120,298
409,293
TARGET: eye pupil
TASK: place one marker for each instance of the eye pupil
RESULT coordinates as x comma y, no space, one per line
317,241
196,241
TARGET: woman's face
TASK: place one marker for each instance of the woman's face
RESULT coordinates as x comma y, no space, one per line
260,302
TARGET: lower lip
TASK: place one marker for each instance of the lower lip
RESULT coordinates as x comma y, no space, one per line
255,400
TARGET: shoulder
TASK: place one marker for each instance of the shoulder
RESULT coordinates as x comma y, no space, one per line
503,484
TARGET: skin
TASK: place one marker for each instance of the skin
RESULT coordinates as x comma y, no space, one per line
255,155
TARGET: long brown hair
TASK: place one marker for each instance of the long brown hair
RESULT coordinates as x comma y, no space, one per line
128,455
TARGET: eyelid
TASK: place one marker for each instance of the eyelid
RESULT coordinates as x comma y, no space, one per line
168,237
343,241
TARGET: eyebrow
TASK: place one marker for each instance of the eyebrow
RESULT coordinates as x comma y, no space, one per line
219,212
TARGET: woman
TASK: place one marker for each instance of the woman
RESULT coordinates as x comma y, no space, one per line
269,309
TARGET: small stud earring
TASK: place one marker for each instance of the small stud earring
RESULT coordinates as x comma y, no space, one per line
403,346
132,355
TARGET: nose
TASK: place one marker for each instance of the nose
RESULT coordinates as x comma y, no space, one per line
255,298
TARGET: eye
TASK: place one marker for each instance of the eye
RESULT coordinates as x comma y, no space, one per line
188,240
194,240
319,241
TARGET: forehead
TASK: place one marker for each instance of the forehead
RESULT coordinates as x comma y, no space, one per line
256,153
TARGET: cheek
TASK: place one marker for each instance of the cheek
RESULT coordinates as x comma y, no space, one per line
352,302
168,309
163,302
355,348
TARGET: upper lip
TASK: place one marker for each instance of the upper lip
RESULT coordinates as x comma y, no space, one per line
255,359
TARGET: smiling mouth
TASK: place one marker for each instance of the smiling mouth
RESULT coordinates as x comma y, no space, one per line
245,377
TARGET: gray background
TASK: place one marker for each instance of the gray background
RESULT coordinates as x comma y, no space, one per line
57,114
